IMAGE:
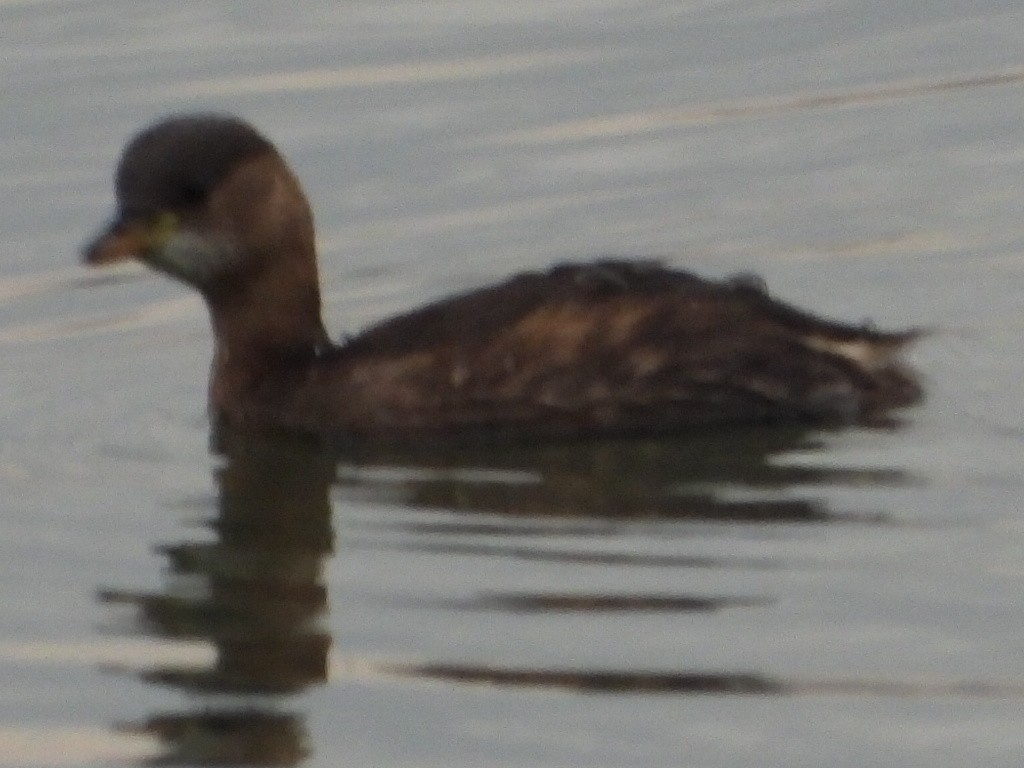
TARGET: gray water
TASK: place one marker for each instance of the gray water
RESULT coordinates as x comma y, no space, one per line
740,598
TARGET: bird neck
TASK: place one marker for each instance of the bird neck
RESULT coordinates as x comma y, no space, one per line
266,328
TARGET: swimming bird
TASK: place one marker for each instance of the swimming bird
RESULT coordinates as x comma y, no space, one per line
614,347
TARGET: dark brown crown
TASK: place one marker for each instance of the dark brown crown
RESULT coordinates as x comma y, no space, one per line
174,164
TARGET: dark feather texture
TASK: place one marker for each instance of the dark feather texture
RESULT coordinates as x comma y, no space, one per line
612,347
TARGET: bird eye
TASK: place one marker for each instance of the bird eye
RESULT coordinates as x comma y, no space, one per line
190,195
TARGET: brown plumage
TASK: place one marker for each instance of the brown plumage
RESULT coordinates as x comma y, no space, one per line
613,347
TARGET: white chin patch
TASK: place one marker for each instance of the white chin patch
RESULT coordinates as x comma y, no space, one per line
193,258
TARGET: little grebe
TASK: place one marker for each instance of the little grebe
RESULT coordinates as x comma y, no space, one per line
609,348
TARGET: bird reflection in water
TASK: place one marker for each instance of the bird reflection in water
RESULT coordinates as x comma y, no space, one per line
263,591
670,479
261,598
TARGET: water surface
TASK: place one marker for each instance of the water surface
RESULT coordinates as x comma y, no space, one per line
733,598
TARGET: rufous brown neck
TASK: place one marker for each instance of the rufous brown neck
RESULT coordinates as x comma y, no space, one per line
265,312
264,329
